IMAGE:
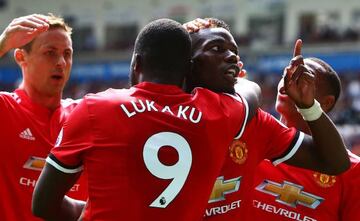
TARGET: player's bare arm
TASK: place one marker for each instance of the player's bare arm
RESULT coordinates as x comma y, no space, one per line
251,92
50,193
325,151
21,31
248,89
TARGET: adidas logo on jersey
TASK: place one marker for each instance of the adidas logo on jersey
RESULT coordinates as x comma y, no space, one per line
26,134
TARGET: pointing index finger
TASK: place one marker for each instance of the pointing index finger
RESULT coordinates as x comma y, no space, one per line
297,48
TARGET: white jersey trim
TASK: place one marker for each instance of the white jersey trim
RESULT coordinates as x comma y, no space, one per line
245,119
352,155
63,169
293,150
241,99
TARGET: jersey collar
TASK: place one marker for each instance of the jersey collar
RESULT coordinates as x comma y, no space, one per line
32,106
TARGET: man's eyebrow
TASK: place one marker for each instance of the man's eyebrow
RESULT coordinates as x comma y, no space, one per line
216,39
211,41
221,40
49,47
56,48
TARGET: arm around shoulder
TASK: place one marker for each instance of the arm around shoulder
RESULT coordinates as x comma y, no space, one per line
251,91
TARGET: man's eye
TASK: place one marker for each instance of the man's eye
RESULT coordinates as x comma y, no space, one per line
50,53
215,48
68,54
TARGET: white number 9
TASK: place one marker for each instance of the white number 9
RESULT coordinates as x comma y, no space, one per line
177,172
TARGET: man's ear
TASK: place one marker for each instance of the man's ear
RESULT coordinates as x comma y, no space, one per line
327,103
19,56
135,70
137,64
191,66
189,70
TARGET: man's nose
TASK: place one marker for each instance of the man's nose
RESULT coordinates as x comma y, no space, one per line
61,61
232,57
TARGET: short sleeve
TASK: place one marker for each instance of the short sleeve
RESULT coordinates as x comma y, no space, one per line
279,141
350,202
73,141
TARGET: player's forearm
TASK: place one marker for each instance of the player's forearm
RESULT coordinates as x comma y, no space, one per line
69,210
329,145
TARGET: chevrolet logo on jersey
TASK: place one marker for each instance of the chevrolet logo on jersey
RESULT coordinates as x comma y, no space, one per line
35,163
289,194
221,188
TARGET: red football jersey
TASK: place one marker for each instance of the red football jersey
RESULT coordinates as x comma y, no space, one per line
27,132
152,152
350,200
287,193
264,138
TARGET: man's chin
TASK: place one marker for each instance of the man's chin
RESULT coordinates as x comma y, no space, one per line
54,91
229,90
285,110
292,116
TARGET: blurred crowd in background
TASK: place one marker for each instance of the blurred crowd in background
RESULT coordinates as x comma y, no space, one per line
310,32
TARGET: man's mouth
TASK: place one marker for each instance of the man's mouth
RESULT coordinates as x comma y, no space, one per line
233,71
285,99
57,77
282,96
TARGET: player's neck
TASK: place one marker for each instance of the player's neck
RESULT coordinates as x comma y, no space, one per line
159,81
50,102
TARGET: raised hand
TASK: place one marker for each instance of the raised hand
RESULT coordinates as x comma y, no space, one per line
299,82
21,31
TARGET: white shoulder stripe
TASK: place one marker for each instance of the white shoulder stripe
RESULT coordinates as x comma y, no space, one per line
235,96
245,119
351,154
63,169
293,150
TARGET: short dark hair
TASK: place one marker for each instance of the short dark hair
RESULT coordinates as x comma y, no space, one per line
165,48
217,23
329,79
